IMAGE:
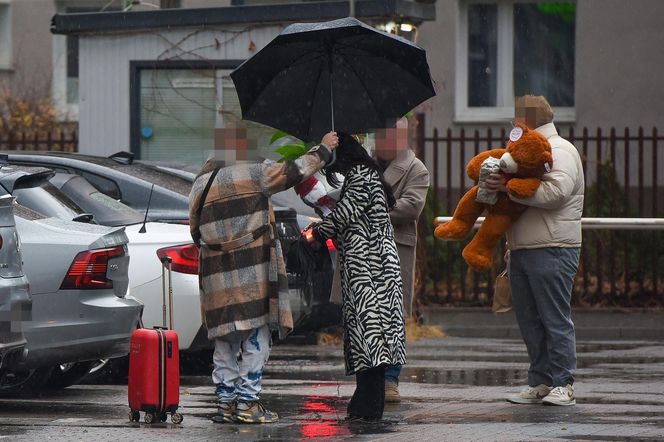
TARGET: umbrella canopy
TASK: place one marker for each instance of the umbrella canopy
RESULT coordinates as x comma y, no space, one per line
342,75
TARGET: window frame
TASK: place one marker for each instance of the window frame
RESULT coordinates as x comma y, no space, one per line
135,69
67,111
504,109
6,40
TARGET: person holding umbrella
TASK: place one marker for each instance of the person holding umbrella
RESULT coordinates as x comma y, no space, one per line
348,76
244,288
372,292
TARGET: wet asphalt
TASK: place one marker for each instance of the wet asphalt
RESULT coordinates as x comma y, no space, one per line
452,389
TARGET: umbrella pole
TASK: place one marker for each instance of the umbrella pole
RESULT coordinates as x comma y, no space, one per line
332,96
329,66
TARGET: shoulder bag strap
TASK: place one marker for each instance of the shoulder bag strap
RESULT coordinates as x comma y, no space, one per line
205,193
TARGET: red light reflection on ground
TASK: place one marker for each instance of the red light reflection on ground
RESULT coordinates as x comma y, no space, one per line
324,422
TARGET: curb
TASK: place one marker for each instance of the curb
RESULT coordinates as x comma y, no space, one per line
590,324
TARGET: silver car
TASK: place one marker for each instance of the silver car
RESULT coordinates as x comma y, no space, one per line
15,302
81,310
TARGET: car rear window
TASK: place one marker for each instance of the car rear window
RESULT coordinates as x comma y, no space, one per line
120,213
47,199
160,177
26,213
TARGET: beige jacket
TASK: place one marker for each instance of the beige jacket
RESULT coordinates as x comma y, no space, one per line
409,179
554,216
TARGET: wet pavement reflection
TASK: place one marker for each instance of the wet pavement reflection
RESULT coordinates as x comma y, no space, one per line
452,389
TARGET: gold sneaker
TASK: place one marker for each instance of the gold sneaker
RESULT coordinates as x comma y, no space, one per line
225,413
392,395
254,413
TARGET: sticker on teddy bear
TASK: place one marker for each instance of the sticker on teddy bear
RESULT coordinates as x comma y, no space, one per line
515,134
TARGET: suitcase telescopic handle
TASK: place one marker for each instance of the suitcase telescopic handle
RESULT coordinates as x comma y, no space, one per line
167,262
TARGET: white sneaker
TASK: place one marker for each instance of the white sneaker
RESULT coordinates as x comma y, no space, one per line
530,395
561,396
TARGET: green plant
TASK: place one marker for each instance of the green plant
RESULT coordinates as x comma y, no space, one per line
292,150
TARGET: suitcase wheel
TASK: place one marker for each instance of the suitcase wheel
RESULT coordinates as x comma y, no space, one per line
176,418
150,418
134,416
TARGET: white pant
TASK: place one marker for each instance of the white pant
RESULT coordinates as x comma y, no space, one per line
238,365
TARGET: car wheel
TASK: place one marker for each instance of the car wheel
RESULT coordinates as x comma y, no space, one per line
64,375
23,381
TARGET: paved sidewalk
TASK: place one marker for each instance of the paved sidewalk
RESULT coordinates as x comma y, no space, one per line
453,389
590,324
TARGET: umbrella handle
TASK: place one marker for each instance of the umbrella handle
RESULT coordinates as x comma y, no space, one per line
333,159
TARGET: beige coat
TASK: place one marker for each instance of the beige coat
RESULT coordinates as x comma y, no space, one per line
554,216
409,179
242,276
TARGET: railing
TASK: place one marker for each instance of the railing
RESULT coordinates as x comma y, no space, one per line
63,140
595,223
619,277
619,266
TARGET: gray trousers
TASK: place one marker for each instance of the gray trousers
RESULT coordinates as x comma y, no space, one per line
541,282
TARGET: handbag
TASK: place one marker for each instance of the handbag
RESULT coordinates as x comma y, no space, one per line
502,294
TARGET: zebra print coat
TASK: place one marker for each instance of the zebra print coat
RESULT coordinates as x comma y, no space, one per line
370,274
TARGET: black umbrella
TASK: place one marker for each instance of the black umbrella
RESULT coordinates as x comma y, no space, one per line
342,75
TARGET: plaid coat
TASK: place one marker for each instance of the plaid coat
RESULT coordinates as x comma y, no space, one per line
242,272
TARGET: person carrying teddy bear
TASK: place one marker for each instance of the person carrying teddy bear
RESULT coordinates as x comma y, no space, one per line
543,248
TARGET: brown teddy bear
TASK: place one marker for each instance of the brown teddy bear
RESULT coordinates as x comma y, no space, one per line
524,161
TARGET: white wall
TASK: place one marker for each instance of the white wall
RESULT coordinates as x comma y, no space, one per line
104,112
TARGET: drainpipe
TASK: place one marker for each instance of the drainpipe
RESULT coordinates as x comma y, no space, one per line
351,8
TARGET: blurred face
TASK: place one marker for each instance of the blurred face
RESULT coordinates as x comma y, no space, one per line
390,141
231,145
527,113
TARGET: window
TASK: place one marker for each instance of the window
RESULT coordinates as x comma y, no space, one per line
509,48
5,35
66,56
72,59
104,185
180,110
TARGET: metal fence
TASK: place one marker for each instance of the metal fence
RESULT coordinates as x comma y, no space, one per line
64,140
624,178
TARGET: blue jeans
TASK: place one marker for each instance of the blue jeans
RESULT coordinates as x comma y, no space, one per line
238,377
392,373
541,282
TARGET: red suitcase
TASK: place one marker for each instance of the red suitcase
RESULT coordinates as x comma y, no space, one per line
154,367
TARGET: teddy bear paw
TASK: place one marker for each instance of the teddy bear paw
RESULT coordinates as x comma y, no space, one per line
477,262
451,231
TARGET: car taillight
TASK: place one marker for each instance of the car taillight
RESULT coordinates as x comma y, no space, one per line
330,245
88,271
184,258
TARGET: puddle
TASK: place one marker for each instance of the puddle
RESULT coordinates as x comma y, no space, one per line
475,377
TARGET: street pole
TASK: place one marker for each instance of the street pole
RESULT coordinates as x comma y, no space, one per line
352,8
